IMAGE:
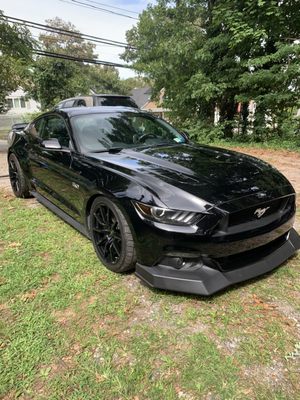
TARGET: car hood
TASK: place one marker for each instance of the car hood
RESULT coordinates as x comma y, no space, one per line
212,174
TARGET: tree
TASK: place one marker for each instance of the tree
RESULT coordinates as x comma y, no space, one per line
212,53
134,83
16,44
66,44
263,34
52,79
166,40
105,79
57,79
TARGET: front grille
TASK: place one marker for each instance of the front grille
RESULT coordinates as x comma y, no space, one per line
283,206
239,260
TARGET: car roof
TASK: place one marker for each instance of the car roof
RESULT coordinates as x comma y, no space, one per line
72,111
95,95
110,95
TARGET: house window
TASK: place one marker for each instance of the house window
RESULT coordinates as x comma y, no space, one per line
17,103
22,101
9,103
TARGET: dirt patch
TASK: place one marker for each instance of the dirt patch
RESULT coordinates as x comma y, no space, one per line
289,312
272,375
32,203
74,314
3,164
65,316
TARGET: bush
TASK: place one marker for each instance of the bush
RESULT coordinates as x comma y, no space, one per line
204,132
31,116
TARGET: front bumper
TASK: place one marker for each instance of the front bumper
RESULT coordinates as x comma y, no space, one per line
207,280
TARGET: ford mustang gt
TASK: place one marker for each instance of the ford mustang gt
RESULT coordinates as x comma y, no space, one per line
186,217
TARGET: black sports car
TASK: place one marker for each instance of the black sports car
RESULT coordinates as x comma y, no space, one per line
187,217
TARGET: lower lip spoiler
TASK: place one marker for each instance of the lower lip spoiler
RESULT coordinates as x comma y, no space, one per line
206,280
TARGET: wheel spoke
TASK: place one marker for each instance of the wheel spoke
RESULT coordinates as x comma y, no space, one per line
105,248
98,230
103,216
99,220
107,216
114,224
116,249
110,252
101,241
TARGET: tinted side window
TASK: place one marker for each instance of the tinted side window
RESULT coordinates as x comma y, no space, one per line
69,103
55,127
80,103
115,101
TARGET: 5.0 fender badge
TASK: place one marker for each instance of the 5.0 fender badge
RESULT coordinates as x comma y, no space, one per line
259,212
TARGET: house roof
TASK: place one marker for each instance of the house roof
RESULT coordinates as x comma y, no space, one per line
141,95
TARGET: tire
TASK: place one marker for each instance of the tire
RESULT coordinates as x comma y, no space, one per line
17,178
111,236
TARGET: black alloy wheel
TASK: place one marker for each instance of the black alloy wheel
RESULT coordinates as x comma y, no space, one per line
17,178
111,236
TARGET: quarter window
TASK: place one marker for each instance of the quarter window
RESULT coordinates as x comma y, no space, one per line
36,128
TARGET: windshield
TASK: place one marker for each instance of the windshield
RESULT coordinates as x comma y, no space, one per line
98,132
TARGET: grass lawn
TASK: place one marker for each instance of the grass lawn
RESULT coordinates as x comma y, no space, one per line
70,329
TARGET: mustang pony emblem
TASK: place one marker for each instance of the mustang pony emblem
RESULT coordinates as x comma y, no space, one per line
260,212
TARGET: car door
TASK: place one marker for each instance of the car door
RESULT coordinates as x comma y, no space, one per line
51,169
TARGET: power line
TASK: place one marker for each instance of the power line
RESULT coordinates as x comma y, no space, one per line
63,31
54,40
114,7
66,32
92,7
79,59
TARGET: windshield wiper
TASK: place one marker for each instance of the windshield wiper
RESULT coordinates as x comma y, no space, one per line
112,150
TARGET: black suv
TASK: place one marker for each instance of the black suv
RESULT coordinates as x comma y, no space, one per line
110,100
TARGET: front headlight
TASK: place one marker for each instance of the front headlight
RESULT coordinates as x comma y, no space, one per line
166,215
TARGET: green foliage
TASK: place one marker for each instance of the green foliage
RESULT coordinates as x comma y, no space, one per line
28,117
15,53
220,52
65,44
135,82
105,80
203,132
53,80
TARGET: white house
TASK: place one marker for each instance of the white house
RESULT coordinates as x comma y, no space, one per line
18,105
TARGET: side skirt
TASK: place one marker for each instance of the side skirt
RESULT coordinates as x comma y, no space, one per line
64,216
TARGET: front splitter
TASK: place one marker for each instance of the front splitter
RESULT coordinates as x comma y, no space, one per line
206,280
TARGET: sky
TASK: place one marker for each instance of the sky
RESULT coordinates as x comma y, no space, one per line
88,21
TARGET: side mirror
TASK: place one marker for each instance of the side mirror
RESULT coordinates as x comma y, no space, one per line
51,144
